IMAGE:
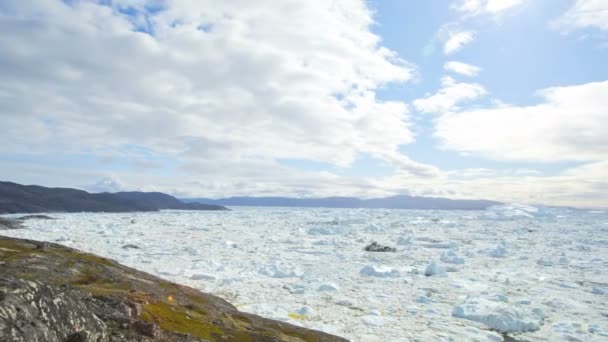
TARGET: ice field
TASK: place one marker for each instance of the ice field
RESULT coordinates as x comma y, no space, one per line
513,273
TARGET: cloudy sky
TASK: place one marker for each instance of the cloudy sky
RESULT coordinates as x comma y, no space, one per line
495,99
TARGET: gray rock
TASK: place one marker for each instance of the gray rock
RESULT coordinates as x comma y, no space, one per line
32,311
375,247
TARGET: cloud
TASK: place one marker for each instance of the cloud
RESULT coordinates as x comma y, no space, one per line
201,83
449,96
580,186
479,7
457,40
107,184
462,68
568,125
584,14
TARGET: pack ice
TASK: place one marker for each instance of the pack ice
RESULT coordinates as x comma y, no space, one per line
529,273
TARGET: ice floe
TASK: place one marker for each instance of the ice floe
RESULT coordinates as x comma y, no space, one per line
379,271
500,316
434,269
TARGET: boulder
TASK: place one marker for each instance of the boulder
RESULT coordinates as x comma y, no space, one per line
375,247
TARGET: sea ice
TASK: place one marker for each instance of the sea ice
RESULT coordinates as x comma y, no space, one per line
434,269
306,311
545,261
379,271
500,251
330,230
202,276
500,316
439,245
423,299
376,321
374,228
404,240
328,287
450,257
281,271
231,244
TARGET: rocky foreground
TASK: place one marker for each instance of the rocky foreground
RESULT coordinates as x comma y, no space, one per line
49,292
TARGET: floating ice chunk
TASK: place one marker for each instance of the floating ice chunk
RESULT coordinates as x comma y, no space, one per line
451,269
476,334
374,228
434,269
427,239
306,311
379,271
500,251
424,299
347,302
510,212
499,298
404,241
281,271
450,257
439,245
330,230
596,329
202,276
231,244
324,243
328,287
295,288
376,321
500,316
571,330
545,261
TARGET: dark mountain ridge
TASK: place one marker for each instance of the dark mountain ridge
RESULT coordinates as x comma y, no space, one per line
393,202
17,198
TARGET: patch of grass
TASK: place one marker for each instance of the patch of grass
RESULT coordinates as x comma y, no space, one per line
175,318
10,250
91,258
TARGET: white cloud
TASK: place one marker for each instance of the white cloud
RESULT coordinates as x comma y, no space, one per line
478,7
107,184
569,125
457,40
245,82
462,68
449,96
585,13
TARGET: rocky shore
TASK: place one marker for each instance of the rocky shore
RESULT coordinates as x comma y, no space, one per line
49,292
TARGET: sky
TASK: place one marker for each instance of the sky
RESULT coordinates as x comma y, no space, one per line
495,99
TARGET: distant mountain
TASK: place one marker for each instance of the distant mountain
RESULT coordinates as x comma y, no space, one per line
394,202
163,201
17,198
